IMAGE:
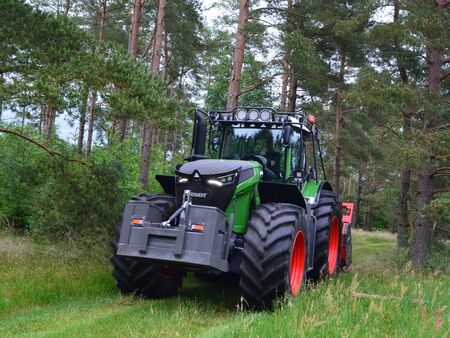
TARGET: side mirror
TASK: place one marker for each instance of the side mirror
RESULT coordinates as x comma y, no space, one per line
215,141
287,130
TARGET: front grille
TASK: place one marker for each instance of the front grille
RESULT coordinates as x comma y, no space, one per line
216,191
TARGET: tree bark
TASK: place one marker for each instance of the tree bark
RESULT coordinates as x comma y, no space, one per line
135,24
339,122
156,55
145,151
132,50
285,77
293,83
405,174
84,100
49,123
67,7
422,234
358,196
91,123
94,91
284,85
238,56
403,201
1,97
147,130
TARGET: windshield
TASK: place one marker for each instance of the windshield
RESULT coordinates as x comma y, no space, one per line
262,145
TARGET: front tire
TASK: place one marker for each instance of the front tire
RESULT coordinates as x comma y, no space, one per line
328,241
274,256
139,277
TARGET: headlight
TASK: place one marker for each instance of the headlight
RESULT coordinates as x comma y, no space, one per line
241,114
265,115
219,181
253,114
181,179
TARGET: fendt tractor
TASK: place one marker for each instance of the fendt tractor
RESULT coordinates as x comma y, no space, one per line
256,207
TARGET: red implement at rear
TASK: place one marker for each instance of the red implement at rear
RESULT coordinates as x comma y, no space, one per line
347,220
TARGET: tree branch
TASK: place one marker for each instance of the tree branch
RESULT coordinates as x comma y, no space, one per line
442,126
276,9
390,129
40,145
258,84
440,191
177,77
352,110
438,170
444,76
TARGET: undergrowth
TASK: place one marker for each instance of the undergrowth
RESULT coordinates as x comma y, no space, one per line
67,290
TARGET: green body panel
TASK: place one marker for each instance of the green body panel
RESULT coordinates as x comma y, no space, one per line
288,162
246,193
310,190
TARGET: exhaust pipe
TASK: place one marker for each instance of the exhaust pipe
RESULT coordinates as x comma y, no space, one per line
198,137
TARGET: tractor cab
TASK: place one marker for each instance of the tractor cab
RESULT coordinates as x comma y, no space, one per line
286,145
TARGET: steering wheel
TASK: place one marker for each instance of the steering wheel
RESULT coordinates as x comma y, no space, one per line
268,175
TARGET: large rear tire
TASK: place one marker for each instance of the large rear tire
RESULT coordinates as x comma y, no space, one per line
274,257
139,277
328,241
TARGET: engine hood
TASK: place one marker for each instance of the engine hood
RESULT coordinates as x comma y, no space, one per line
213,182
246,169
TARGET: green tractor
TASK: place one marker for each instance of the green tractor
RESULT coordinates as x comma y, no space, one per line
255,207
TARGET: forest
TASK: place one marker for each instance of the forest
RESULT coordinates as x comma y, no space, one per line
98,96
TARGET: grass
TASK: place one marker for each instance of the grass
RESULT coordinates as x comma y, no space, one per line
61,290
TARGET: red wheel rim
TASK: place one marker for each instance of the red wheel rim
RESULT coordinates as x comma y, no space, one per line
333,246
297,266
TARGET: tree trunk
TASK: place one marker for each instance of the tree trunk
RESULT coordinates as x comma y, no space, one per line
284,85
166,142
367,217
358,196
174,142
156,56
405,174
1,97
285,76
94,91
292,92
42,119
421,241
91,123
135,16
238,56
67,7
422,233
403,201
49,123
147,130
339,121
132,49
84,100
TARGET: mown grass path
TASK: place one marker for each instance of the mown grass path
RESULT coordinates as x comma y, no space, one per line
54,291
